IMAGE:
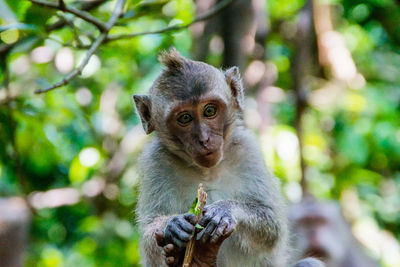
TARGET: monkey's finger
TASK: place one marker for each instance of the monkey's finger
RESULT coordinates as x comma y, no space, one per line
206,218
205,234
186,226
160,238
169,249
223,237
182,235
205,209
170,261
191,218
179,243
229,229
219,231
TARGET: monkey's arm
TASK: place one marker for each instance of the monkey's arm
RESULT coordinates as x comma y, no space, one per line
159,210
258,206
257,223
164,239
260,224
257,209
152,255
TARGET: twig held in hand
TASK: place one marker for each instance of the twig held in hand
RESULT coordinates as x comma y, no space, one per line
201,202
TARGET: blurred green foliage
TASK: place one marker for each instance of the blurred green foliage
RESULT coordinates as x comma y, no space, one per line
85,136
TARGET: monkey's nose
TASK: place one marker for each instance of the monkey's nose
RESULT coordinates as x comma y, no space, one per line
204,142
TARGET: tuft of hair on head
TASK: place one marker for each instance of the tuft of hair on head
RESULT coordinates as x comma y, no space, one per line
172,59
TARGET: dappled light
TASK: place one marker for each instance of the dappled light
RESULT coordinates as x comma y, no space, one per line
42,54
64,60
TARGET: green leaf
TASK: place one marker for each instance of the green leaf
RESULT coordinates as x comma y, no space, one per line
198,226
193,207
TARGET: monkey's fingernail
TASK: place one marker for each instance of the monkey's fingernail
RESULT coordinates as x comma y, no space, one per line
170,260
159,233
168,248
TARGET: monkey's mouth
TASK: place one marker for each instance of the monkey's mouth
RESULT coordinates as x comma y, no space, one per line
318,253
209,159
207,153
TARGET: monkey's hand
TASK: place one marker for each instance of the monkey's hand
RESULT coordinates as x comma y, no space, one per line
218,223
177,233
205,254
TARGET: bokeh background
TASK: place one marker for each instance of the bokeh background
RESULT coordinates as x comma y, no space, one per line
326,73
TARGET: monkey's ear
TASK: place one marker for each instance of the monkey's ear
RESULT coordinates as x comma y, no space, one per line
143,107
233,79
172,59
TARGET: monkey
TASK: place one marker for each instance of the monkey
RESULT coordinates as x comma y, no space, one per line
196,113
321,231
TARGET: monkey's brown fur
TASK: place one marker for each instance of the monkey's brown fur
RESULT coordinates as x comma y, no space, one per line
236,179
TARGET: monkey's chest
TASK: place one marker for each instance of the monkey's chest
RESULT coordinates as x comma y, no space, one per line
214,194
221,188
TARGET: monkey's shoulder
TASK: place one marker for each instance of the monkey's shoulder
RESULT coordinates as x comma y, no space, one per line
156,156
157,189
245,149
160,167
151,154
246,160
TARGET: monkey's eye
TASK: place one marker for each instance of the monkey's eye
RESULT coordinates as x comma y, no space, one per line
184,118
210,111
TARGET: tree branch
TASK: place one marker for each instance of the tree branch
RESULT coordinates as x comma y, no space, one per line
78,70
301,67
104,37
207,15
79,13
100,39
85,6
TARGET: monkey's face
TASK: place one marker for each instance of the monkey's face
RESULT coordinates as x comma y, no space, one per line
320,231
191,106
198,128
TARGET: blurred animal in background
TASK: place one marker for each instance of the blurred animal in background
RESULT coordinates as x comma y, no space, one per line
196,113
15,218
319,230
